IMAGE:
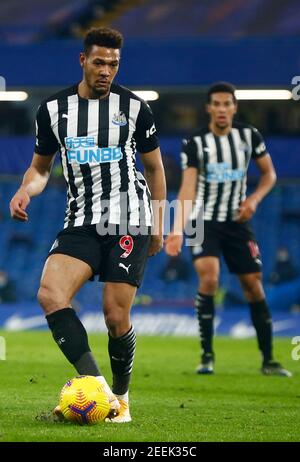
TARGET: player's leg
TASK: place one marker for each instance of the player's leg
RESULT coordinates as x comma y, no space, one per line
117,302
206,263
251,284
242,256
62,277
122,272
73,259
208,269
262,321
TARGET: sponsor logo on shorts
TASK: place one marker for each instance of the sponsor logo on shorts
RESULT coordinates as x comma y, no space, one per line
126,268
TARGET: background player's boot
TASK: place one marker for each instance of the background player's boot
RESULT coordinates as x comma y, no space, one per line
123,414
207,364
275,368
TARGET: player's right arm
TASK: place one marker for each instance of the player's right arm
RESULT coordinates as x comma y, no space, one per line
37,175
186,196
185,199
34,182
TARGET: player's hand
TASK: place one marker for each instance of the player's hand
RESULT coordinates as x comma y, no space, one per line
18,205
156,244
173,244
247,209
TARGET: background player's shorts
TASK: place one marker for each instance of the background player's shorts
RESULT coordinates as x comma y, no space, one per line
115,258
235,241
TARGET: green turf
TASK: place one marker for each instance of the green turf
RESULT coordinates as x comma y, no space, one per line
169,402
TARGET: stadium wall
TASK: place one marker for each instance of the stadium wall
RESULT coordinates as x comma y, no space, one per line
250,61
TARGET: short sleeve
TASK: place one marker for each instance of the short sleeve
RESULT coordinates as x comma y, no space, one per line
145,133
258,145
189,157
46,142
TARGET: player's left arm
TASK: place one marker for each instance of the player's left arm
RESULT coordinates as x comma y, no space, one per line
266,182
267,176
147,145
155,177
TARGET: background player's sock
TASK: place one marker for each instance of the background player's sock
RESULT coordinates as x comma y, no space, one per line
71,337
262,322
204,305
121,352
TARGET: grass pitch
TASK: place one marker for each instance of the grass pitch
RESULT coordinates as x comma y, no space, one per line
169,402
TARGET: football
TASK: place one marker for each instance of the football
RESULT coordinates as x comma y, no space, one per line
84,401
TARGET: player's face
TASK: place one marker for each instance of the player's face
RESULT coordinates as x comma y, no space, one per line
100,67
221,109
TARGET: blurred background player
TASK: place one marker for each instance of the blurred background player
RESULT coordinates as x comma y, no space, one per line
215,162
285,269
96,125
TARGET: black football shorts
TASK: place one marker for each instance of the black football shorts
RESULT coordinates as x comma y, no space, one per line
115,258
235,241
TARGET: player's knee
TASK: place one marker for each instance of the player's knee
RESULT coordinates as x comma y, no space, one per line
51,299
115,319
253,288
209,283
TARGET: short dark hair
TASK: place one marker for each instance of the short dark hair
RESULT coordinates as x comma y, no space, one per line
221,87
102,37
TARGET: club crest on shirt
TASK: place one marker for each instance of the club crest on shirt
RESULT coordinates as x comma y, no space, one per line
119,118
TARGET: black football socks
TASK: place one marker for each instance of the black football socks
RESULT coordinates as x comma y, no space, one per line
262,322
71,337
121,352
205,310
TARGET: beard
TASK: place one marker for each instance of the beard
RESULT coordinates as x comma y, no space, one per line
97,92
223,126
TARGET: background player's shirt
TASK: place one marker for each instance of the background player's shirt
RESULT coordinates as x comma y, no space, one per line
222,163
97,141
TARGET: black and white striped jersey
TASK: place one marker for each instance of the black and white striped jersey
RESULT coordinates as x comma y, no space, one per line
222,163
97,141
